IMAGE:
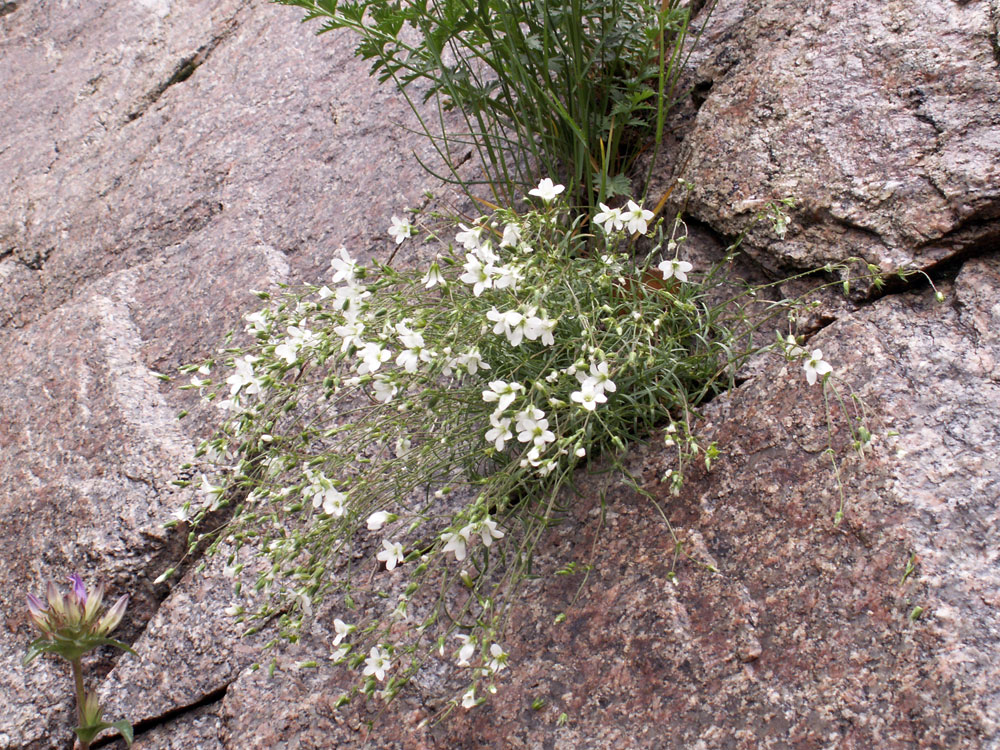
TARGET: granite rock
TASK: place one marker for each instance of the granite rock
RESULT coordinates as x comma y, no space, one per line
161,158
781,628
880,119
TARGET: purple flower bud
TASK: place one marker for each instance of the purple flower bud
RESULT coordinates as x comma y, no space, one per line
79,589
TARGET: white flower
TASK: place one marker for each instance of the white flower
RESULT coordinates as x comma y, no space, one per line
456,542
350,332
391,554
339,656
502,392
588,396
345,268
534,428
677,269
470,237
467,651
500,433
791,346
472,361
636,218
478,275
372,356
611,218
348,299
469,698
536,327
511,236
244,377
384,390
342,629
258,322
298,338
210,491
507,277
499,661
433,276
333,502
488,530
401,229
546,190
377,663
511,323
815,367
378,519
598,377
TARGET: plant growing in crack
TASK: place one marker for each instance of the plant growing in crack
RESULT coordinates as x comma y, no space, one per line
73,624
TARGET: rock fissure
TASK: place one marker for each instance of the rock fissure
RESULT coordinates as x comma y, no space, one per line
148,725
184,69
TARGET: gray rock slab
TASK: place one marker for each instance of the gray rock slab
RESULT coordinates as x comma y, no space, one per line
130,247
879,118
804,636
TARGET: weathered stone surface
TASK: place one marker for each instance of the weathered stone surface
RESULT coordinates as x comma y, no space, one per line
161,158
803,638
148,232
881,119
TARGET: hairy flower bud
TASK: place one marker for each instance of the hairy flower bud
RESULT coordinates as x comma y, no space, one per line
73,624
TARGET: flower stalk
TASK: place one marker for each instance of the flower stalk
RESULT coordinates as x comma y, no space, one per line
73,624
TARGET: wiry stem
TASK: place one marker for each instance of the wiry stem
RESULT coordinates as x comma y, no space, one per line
81,696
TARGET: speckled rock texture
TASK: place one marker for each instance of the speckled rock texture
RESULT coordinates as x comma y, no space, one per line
160,158
881,118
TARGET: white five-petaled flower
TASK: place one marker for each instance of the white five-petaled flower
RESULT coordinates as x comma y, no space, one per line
377,663
677,269
345,268
433,277
532,427
401,229
456,542
546,190
351,333
391,554
599,378
244,377
512,324
372,357
477,274
511,236
500,433
488,530
636,218
333,502
498,662
470,237
610,218
503,393
384,390
298,338
469,698
472,361
791,346
342,629
588,396
815,367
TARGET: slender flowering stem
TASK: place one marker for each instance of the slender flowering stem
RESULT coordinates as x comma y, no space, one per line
81,696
